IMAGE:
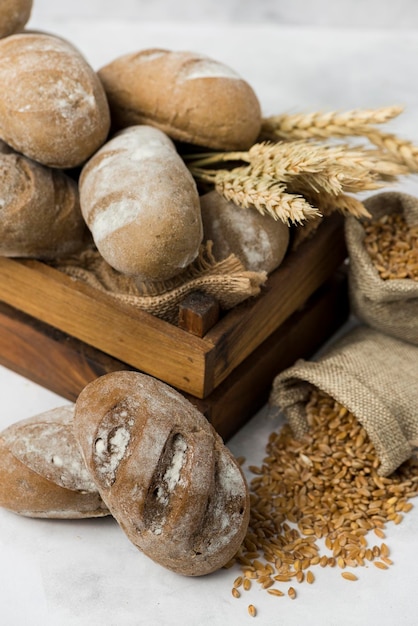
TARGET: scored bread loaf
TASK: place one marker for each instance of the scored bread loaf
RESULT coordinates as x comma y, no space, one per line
42,472
39,208
189,96
141,204
14,14
259,241
163,472
53,108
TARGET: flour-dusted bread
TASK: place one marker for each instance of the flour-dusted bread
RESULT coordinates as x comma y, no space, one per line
39,208
53,108
191,97
141,205
14,14
259,241
42,472
164,473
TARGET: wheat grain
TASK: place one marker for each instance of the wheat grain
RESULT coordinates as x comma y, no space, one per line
392,246
315,482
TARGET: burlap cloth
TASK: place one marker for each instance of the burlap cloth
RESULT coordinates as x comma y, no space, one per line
388,305
374,376
228,281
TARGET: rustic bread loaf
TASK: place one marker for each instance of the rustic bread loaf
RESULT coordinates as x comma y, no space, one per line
141,204
191,97
163,472
52,105
42,472
39,209
14,14
259,241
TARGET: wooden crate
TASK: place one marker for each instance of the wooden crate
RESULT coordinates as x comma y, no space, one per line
194,365
62,333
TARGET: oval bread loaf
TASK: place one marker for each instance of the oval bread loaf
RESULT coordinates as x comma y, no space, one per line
14,14
162,470
259,241
141,204
191,97
42,472
53,108
39,210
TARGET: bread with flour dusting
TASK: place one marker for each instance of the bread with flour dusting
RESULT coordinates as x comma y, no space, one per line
259,241
191,97
162,470
40,210
42,472
53,108
141,204
14,14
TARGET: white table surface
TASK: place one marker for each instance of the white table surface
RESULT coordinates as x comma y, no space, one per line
86,573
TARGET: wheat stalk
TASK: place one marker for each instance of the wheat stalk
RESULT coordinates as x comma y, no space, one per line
320,125
301,174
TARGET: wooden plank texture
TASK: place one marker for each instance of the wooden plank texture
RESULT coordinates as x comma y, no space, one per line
65,365
123,332
236,336
196,365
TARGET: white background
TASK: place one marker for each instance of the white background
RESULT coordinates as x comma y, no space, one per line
299,56
346,13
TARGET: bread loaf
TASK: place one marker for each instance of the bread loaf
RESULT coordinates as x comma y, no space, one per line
141,205
39,208
52,105
164,473
14,14
259,241
42,472
190,97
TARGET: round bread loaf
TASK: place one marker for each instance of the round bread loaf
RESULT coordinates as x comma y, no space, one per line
259,241
39,210
53,108
191,97
162,470
14,14
42,472
141,204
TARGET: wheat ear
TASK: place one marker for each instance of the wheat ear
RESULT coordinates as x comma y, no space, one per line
402,151
264,194
320,125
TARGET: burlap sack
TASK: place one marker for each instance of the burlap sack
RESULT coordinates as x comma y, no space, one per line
388,305
374,376
227,280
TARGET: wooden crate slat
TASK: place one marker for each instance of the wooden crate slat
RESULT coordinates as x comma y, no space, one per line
129,335
301,274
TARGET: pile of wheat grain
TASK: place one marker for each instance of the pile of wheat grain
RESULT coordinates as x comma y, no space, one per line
324,487
393,247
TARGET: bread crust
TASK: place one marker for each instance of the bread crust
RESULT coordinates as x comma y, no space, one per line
259,241
190,97
53,108
42,472
39,209
141,204
162,470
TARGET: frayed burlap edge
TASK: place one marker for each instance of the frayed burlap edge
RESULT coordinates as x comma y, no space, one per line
228,281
